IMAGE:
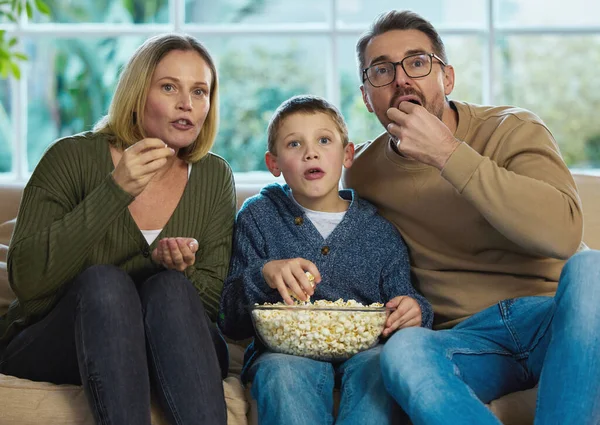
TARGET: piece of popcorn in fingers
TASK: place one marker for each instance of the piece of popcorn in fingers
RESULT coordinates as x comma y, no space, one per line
311,280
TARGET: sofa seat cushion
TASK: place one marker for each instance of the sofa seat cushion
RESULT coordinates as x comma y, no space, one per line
26,402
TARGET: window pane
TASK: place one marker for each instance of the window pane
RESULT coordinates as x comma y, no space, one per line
256,75
548,12
75,91
362,125
255,12
439,12
556,78
6,130
106,11
464,53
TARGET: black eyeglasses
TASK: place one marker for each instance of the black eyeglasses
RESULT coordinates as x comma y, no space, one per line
415,66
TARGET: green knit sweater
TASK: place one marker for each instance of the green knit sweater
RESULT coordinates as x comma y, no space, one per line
73,215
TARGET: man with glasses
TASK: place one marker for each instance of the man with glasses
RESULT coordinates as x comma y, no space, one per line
490,214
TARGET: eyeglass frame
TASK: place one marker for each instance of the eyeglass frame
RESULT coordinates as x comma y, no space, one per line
401,63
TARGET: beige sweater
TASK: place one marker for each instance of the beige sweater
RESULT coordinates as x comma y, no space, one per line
73,215
498,222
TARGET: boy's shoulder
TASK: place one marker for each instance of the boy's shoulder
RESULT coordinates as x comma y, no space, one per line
270,198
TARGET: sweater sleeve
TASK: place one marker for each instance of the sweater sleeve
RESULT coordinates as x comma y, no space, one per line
55,231
396,278
245,284
212,259
527,192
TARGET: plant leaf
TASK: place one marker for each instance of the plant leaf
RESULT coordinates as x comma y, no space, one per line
29,10
12,42
42,7
20,56
16,71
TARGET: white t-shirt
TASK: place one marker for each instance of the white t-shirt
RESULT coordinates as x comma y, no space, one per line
325,222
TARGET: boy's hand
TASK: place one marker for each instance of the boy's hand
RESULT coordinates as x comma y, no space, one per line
175,253
288,275
407,314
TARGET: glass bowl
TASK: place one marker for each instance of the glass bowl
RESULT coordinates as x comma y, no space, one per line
321,333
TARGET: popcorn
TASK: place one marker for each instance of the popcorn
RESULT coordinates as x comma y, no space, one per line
323,330
311,280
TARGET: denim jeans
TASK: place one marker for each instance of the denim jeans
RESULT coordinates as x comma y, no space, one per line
292,390
121,340
445,377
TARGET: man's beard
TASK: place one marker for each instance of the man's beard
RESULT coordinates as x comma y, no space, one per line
435,107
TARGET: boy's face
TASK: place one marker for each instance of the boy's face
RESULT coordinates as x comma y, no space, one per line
310,155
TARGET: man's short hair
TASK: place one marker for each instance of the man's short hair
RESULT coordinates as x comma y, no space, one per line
304,104
398,20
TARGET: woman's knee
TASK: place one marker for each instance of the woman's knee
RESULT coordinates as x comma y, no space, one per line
104,287
169,288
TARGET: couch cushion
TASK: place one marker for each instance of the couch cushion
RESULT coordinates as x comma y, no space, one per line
6,230
6,294
26,402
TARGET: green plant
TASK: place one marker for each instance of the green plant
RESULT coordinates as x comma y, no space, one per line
11,10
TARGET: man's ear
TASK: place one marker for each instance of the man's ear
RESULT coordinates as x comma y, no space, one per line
448,79
348,155
365,98
271,161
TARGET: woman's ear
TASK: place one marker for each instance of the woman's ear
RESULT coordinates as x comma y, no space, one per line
271,161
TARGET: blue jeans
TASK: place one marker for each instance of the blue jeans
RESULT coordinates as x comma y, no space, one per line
120,340
445,377
292,390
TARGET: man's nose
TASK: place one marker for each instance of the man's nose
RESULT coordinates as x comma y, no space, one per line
402,78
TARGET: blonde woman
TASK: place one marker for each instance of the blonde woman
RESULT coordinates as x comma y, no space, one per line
121,246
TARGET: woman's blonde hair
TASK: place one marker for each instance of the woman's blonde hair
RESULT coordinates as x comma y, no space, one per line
126,112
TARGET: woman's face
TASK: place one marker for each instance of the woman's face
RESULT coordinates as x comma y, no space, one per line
178,98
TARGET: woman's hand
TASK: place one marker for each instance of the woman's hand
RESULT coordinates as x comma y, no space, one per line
288,275
175,253
407,313
139,163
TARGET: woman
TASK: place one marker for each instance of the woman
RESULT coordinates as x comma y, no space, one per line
121,246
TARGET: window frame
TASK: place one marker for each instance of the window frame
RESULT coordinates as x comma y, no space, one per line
490,31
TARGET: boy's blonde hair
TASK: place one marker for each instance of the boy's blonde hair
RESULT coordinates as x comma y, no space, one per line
125,117
304,104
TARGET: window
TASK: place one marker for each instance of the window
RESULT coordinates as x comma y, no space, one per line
539,54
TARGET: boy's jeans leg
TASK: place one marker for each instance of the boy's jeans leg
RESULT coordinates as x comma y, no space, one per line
364,399
182,342
292,390
569,389
445,377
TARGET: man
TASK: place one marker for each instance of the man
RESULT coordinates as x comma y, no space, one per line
490,213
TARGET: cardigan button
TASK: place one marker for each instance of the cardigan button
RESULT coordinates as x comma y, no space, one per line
325,250
298,221
146,251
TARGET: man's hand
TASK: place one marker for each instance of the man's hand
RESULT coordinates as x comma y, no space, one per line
407,314
288,275
176,253
139,163
420,135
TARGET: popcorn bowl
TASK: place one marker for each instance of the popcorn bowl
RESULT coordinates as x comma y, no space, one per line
326,333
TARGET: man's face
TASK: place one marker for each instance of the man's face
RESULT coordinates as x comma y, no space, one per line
428,91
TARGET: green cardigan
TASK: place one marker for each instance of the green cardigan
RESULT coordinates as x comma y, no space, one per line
73,215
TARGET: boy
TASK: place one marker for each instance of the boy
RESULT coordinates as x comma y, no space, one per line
309,225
